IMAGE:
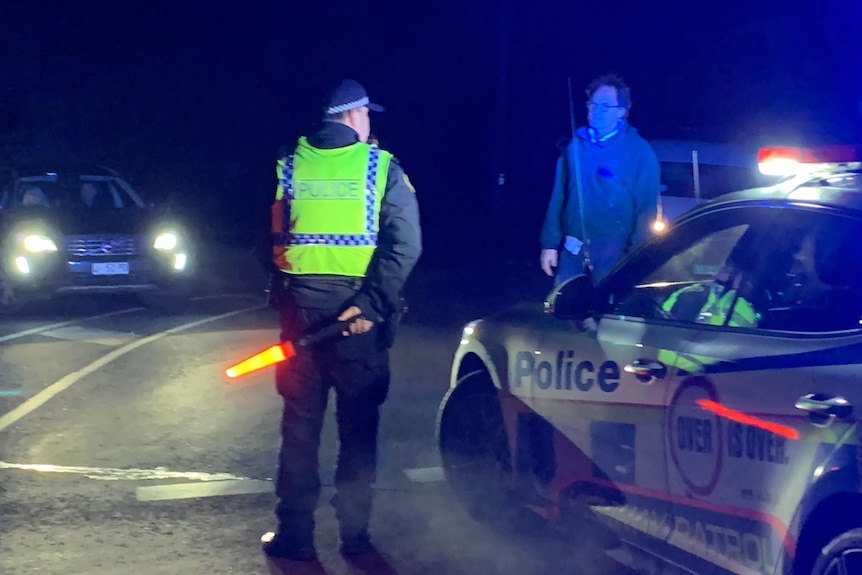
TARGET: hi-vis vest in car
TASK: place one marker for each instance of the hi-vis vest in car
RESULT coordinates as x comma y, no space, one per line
325,214
714,311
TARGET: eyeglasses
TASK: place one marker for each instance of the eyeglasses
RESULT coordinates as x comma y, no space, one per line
601,107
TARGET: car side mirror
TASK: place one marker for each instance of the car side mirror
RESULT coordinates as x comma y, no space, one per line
573,299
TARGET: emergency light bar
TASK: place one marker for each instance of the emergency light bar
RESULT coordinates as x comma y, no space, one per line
787,161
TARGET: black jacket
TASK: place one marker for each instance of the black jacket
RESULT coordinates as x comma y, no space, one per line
399,244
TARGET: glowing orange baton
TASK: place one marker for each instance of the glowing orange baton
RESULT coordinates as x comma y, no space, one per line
282,351
269,356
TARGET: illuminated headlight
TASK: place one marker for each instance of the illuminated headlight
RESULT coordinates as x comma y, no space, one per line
22,265
38,244
180,261
166,241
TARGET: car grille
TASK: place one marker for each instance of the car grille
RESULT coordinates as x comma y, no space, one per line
102,245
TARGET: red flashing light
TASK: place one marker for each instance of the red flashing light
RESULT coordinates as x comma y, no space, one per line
765,155
788,161
818,155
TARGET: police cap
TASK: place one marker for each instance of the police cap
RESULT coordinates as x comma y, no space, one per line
348,95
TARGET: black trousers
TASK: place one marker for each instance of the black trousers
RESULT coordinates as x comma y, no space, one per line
357,368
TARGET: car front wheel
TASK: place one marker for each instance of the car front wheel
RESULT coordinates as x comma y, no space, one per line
842,556
474,448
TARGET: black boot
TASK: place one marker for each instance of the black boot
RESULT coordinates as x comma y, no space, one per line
356,544
283,547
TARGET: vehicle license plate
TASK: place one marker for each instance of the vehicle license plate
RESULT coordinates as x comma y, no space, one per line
110,268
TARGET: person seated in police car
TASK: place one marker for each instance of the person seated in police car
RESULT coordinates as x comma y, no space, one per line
732,288
620,177
815,275
820,287
710,304
805,281
726,300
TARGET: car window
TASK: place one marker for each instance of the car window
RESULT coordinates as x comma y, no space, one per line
705,282
814,279
36,192
108,193
774,269
99,194
701,261
80,193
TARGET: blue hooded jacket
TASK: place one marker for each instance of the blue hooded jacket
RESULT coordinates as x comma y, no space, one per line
621,184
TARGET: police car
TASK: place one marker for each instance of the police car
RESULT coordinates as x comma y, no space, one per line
697,402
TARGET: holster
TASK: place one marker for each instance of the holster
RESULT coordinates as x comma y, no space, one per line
390,326
276,289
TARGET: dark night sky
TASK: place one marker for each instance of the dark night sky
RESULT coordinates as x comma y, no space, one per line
193,98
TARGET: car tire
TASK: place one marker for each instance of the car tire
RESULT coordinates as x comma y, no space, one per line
474,448
841,556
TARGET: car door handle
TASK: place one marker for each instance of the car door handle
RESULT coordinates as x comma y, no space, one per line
646,369
823,407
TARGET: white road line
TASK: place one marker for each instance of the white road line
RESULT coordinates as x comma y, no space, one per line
195,484
425,474
116,474
35,330
196,490
91,335
221,488
64,383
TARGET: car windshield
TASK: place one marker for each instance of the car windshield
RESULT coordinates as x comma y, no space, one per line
84,193
715,180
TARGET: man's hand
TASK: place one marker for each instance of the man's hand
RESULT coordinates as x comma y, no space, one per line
549,261
358,324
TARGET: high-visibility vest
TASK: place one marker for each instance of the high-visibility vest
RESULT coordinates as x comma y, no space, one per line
325,218
718,301
713,312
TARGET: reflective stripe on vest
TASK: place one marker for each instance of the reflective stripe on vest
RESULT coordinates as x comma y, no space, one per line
368,238
336,243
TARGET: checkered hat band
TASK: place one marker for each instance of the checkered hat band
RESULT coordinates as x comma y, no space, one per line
348,106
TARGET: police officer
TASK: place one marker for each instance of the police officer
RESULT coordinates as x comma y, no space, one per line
346,237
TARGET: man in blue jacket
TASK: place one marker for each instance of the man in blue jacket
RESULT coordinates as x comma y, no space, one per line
620,185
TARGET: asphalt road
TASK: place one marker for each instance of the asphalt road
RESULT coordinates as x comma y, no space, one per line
124,450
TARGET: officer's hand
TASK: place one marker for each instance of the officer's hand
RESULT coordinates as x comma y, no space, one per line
549,260
357,325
